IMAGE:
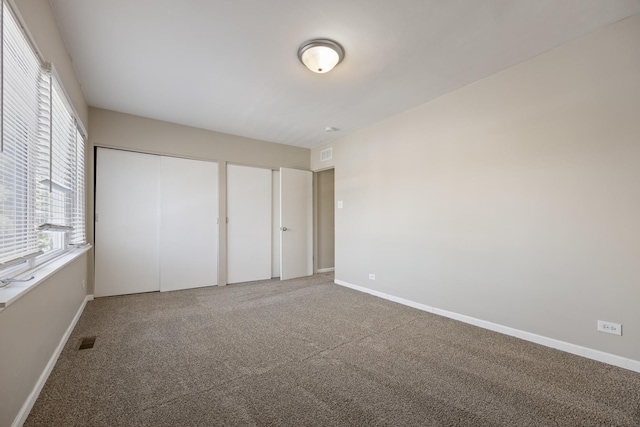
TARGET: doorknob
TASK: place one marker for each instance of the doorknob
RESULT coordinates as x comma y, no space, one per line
283,228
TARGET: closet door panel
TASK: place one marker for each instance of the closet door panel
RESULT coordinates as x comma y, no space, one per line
188,223
249,229
127,223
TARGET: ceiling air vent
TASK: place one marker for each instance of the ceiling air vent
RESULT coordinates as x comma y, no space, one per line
326,154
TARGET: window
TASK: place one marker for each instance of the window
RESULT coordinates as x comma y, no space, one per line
41,157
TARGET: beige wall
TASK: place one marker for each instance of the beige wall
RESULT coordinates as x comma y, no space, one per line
32,327
129,132
125,131
325,241
514,200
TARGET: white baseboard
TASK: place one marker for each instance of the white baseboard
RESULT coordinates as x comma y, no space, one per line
325,270
33,396
589,353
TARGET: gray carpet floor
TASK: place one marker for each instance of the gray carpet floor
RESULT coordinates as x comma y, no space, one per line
308,352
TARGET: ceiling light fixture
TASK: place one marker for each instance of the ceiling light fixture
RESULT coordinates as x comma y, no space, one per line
320,55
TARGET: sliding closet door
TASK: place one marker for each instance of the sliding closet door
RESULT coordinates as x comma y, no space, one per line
127,223
249,227
188,223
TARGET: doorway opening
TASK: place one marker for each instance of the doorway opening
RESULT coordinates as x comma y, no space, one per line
324,191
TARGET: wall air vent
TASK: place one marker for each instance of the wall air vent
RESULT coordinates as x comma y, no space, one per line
326,154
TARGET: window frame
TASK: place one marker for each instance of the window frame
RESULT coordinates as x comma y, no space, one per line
54,253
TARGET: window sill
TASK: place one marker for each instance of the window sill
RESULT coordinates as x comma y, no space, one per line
17,290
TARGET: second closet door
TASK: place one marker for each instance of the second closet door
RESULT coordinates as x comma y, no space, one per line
188,223
249,227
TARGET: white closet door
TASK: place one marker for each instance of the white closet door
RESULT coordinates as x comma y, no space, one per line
127,223
249,227
188,223
296,220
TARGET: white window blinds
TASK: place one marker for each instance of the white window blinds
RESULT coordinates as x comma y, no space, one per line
41,152
20,102
77,212
56,161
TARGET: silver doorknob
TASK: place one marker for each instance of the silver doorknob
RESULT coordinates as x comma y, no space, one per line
283,228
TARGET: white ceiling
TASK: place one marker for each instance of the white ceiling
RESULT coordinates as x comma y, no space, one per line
232,66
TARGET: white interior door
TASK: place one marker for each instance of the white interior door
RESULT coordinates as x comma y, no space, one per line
296,223
188,223
127,223
275,224
249,227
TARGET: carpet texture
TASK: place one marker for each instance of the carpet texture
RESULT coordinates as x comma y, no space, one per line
307,352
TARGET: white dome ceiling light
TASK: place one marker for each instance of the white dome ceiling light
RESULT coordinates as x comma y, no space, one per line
320,55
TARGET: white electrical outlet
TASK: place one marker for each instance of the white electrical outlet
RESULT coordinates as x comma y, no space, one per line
340,204
609,327
84,284
372,276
